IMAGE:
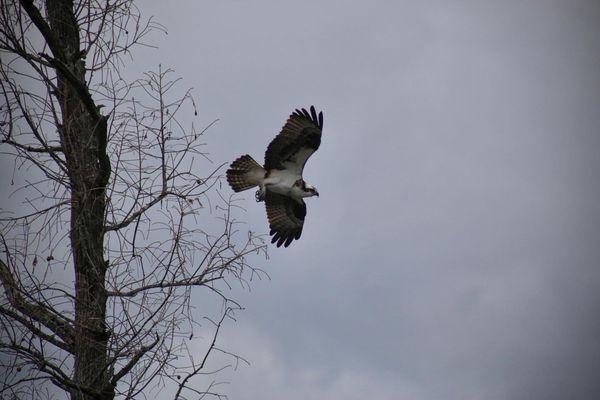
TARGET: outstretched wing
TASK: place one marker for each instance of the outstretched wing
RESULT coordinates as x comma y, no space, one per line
286,218
298,139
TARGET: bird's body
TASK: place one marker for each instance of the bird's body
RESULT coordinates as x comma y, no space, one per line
280,183
287,183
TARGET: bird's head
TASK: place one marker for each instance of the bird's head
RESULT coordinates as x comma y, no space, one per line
311,191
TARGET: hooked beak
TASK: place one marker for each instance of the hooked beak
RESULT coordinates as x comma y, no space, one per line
316,193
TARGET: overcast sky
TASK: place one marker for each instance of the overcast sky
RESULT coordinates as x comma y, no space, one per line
454,251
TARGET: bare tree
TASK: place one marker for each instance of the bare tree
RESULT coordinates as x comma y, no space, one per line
125,216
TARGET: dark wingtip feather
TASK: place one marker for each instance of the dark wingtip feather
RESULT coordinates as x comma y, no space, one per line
280,242
283,238
288,241
313,115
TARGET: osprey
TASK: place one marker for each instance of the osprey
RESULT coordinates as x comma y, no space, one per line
280,183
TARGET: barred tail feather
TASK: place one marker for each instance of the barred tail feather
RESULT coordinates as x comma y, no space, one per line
245,173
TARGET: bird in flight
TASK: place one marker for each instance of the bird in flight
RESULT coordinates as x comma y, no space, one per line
280,183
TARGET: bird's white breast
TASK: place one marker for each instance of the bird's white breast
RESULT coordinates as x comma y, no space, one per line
282,182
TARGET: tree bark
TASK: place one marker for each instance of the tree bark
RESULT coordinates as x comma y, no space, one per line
83,136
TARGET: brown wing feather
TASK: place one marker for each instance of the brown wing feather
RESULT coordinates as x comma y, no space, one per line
286,218
299,138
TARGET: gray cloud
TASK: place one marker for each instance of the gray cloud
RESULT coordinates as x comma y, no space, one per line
452,254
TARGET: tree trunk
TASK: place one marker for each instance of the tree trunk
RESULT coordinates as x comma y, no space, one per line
83,136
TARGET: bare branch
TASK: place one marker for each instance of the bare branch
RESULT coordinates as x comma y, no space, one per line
199,281
43,27
56,323
199,368
80,87
35,330
49,149
134,216
134,360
